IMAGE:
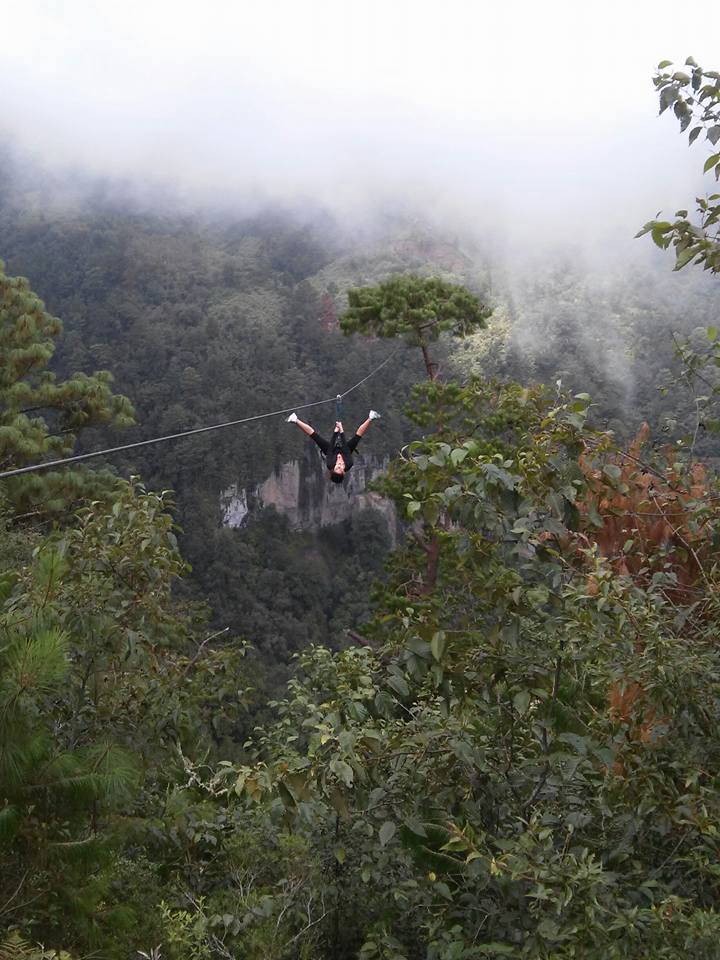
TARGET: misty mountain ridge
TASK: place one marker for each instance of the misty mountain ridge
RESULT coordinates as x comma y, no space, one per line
203,318
102,257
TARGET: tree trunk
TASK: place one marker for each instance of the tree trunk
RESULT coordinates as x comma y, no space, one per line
432,550
430,365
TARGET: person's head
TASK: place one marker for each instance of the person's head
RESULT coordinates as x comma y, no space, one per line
337,471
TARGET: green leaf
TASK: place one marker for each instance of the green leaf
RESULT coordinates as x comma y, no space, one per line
414,826
658,232
663,64
712,333
340,854
387,832
458,455
413,507
579,743
668,95
443,889
684,257
710,162
384,703
399,685
419,647
9,820
298,785
521,701
430,511
343,771
287,798
438,644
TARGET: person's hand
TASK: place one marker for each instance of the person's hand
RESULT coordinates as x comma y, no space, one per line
338,427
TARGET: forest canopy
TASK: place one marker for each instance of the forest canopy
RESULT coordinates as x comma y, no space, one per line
511,751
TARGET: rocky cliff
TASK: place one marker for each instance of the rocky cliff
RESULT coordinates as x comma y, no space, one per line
301,491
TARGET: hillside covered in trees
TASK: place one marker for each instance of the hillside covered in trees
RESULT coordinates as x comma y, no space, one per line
498,738
201,321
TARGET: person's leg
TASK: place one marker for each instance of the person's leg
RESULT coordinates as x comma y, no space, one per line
373,415
363,427
305,427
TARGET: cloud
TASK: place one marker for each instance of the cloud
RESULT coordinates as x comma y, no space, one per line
537,120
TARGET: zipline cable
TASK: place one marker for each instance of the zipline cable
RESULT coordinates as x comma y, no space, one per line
188,433
372,372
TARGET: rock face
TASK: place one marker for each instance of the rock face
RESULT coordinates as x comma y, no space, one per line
301,491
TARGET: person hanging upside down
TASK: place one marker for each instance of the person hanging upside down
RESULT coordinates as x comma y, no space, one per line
338,451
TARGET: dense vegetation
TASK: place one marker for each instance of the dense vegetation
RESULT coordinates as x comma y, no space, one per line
511,748
203,321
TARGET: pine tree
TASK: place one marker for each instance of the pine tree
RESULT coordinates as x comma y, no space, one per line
54,798
418,309
40,416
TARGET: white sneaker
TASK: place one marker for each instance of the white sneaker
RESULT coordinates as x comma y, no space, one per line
374,415
292,418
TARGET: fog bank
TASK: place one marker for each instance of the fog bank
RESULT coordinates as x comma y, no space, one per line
532,123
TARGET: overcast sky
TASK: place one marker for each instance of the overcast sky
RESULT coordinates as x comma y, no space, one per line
535,115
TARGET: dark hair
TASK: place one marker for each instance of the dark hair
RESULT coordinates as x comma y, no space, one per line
336,477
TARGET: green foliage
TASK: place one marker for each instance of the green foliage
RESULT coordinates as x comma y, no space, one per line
607,332
40,416
296,589
523,763
102,678
416,308
202,322
695,99
519,759
420,308
14,946
56,794
198,326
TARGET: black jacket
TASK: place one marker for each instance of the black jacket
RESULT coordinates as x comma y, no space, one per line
337,447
